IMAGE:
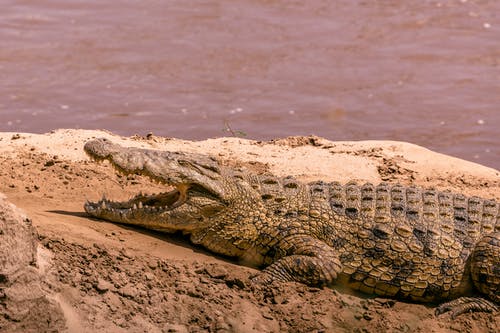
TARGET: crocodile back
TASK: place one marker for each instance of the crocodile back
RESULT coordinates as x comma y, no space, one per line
428,214
392,240
408,242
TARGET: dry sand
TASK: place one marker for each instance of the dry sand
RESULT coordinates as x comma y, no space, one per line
106,277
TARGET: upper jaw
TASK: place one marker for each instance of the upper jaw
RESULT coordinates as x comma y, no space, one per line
182,170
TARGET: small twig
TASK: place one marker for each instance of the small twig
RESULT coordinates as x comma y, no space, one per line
227,128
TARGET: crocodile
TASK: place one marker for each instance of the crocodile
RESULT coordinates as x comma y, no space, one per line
405,242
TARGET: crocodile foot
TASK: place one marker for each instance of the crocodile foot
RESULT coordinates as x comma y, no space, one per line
466,304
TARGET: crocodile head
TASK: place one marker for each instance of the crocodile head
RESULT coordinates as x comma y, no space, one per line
198,190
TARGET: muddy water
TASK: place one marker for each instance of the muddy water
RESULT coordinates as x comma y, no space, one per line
426,72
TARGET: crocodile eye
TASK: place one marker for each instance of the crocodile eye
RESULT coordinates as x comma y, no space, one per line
212,168
184,162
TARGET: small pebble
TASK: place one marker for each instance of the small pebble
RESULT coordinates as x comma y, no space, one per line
102,285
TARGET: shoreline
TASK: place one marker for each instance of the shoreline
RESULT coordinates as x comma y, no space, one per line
116,278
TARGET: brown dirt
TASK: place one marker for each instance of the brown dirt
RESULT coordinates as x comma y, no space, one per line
113,278
25,302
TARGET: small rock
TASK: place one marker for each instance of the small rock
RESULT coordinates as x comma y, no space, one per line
113,301
267,315
129,291
306,316
153,264
91,268
216,272
149,276
102,285
236,282
221,325
204,281
280,298
125,253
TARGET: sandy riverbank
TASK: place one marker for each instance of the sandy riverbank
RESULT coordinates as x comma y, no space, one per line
113,278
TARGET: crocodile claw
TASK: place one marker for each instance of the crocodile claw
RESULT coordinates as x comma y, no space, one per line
462,305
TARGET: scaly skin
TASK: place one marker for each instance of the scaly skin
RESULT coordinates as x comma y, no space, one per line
403,242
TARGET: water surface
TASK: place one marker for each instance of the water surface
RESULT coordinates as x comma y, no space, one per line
426,72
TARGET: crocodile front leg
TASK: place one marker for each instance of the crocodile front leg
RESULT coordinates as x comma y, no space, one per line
307,260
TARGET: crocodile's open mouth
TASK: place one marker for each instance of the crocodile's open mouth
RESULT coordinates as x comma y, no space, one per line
193,193
168,211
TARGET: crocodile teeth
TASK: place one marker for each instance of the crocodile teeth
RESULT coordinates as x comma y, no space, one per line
140,205
103,205
134,207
